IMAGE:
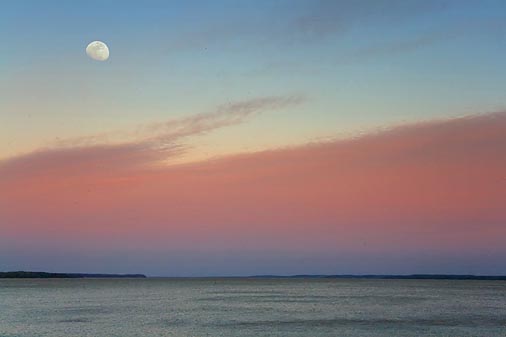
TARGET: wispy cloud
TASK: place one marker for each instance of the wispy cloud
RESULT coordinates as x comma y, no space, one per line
427,39
326,17
305,21
225,115
147,146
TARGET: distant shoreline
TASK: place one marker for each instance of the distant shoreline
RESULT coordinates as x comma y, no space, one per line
395,277
46,275
31,274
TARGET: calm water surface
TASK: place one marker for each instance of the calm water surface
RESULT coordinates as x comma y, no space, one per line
251,307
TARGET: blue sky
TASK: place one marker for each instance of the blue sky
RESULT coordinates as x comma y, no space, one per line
361,64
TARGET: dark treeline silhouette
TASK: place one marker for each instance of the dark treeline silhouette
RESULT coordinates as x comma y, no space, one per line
31,274
396,277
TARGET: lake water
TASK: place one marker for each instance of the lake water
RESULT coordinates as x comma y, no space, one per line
251,307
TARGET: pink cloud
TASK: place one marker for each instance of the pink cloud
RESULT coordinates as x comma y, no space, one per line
431,186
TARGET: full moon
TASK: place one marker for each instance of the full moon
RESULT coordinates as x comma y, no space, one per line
98,51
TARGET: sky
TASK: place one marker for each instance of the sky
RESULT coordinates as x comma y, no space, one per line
253,137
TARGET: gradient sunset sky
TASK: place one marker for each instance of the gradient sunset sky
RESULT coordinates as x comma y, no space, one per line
253,137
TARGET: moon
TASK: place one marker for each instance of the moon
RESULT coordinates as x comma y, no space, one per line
98,51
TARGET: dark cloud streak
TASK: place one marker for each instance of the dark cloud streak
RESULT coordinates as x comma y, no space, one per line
158,142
